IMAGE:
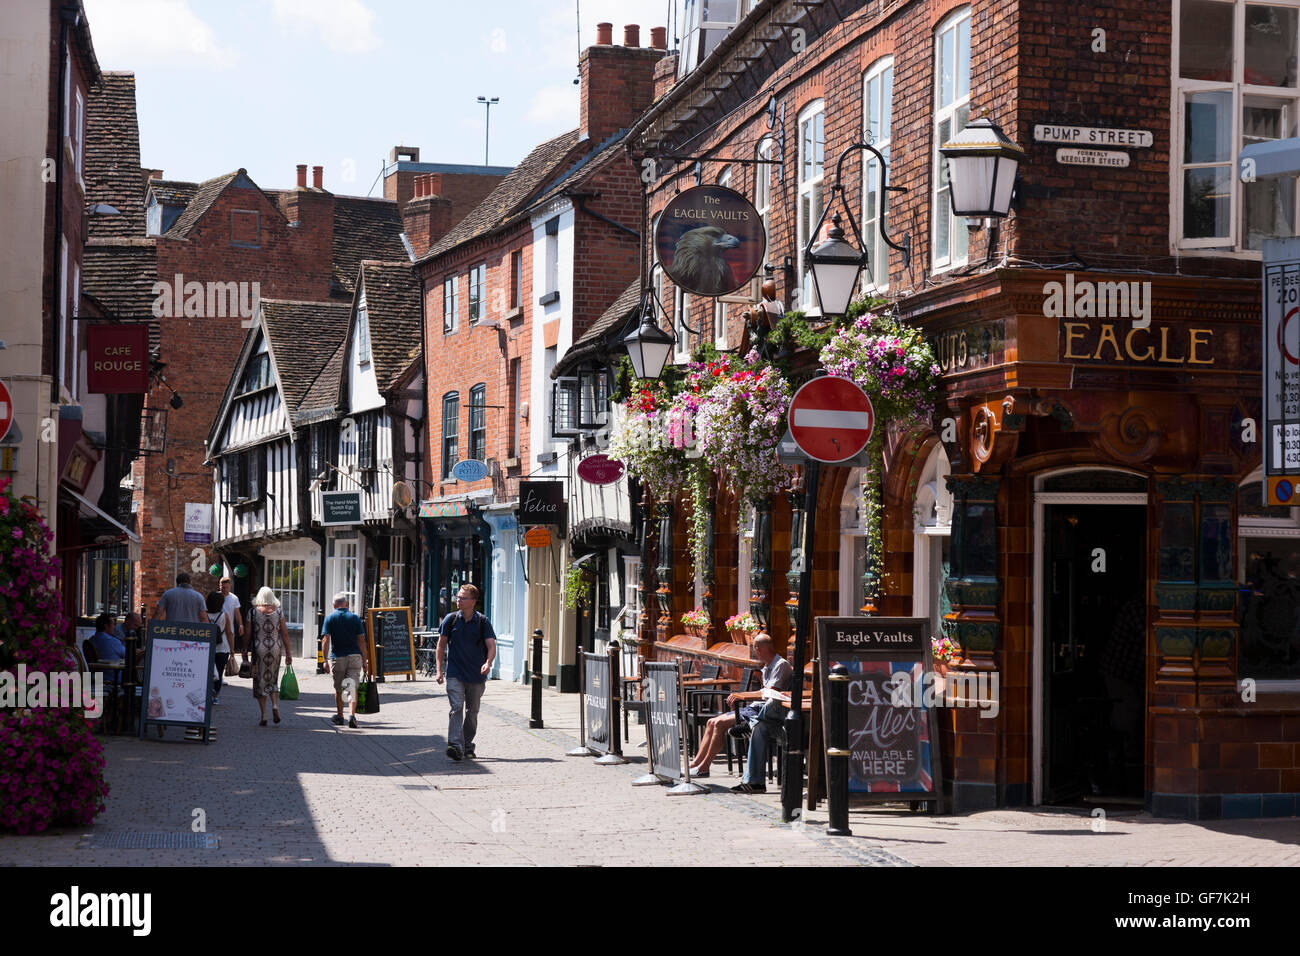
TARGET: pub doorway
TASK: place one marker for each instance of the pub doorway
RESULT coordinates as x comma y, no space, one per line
1090,647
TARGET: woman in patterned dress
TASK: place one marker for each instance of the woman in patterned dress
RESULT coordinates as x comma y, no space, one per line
269,637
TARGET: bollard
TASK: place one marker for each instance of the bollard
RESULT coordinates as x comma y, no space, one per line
379,664
535,720
837,749
615,755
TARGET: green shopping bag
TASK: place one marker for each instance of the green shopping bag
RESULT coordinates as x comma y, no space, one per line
288,684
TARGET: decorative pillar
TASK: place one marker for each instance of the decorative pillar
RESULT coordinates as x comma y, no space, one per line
760,570
1175,623
1216,593
797,557
972,585
664,571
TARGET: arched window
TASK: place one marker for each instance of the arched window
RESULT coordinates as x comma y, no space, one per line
450,432
932,531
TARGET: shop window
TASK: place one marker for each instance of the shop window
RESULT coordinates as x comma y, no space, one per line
812,171
1235,85
951,112
1268,580
877,101
287,578
106,582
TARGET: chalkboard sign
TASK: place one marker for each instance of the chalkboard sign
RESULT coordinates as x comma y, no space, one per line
178,674
597,691
893,731
390,627
664,728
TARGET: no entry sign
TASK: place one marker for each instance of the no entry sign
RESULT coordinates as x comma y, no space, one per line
831,419
6,410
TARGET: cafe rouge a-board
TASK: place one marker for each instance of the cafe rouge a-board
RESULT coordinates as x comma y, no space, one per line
1100,539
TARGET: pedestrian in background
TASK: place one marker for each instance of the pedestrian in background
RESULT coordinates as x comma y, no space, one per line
230,604
218,616
268,634
467,646
347,652
182,603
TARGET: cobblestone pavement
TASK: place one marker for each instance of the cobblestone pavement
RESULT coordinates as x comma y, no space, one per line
307,792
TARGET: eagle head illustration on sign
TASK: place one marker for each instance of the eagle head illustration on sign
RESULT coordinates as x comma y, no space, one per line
710,240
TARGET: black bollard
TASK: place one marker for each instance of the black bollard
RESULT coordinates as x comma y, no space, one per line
616,696
379,664
535,720
837,749
321,666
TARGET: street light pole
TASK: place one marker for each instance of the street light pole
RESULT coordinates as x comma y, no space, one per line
487,131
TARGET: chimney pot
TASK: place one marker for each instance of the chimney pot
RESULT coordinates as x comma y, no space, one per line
302,175
434,183
418,183
604,34
659,38
632,35
317,177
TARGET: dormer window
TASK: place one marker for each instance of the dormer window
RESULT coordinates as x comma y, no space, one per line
707,22
162,216
257,375
363,337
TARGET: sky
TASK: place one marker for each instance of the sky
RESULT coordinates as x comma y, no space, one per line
267,84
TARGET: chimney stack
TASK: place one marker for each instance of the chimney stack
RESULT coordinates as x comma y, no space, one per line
604,34
659,38
317,177
632,35
302,175
617,82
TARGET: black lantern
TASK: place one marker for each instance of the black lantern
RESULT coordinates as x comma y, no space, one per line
836,266
649,346
982,166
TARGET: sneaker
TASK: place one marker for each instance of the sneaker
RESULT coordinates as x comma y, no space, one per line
469,753
699,774
217,699
352,722
337,720
454,752
749,788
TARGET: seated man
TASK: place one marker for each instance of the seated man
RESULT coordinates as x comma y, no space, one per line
107,646
776,677
131,626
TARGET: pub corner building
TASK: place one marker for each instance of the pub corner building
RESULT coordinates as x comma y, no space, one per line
1085,512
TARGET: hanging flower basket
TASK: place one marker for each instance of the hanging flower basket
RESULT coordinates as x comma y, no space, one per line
740,421
641,440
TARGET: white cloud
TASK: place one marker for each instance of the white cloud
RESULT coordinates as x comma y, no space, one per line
345,26
554,105
132,33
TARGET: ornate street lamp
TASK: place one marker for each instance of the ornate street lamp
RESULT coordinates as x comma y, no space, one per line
649,346
835,263
982,167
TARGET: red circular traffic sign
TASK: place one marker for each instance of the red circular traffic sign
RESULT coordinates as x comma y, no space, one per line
831,419
6,410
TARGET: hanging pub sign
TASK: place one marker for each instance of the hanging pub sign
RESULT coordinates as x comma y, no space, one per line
340,507
541,502
710,240
600,470
1281,371
117,358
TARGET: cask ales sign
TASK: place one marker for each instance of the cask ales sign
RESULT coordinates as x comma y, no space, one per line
893,734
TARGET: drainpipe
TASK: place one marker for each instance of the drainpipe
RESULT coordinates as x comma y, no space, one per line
68,18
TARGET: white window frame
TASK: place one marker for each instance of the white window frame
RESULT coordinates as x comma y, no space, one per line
450,304
812,186
363,336
945,258
79,138
681,313
478,283
876,278
702,34
631,594
720,307
1232,244
763,187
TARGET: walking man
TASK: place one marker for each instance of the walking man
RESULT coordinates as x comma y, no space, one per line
230,604
467,646
344,647
182,603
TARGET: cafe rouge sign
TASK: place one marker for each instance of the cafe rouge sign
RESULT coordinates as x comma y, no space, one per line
117,358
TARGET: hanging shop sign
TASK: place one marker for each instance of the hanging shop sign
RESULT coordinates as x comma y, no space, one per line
1094,136
469,470
831,419
198,522
117,358
710,240
1093,157
600,470
541,502
444,509
1281,372
539,537
340,507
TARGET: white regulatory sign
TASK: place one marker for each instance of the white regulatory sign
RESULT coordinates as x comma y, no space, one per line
1281,348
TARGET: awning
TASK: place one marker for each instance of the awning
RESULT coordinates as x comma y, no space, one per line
90,510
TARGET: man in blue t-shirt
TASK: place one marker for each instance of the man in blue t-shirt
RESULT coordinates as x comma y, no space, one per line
467,646
347,652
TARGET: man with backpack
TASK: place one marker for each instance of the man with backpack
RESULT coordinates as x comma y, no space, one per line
467,646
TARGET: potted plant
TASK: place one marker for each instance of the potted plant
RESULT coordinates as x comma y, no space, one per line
742,628
697,622
946,654
577,590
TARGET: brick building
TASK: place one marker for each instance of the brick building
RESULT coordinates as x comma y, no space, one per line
506,294
1166,673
